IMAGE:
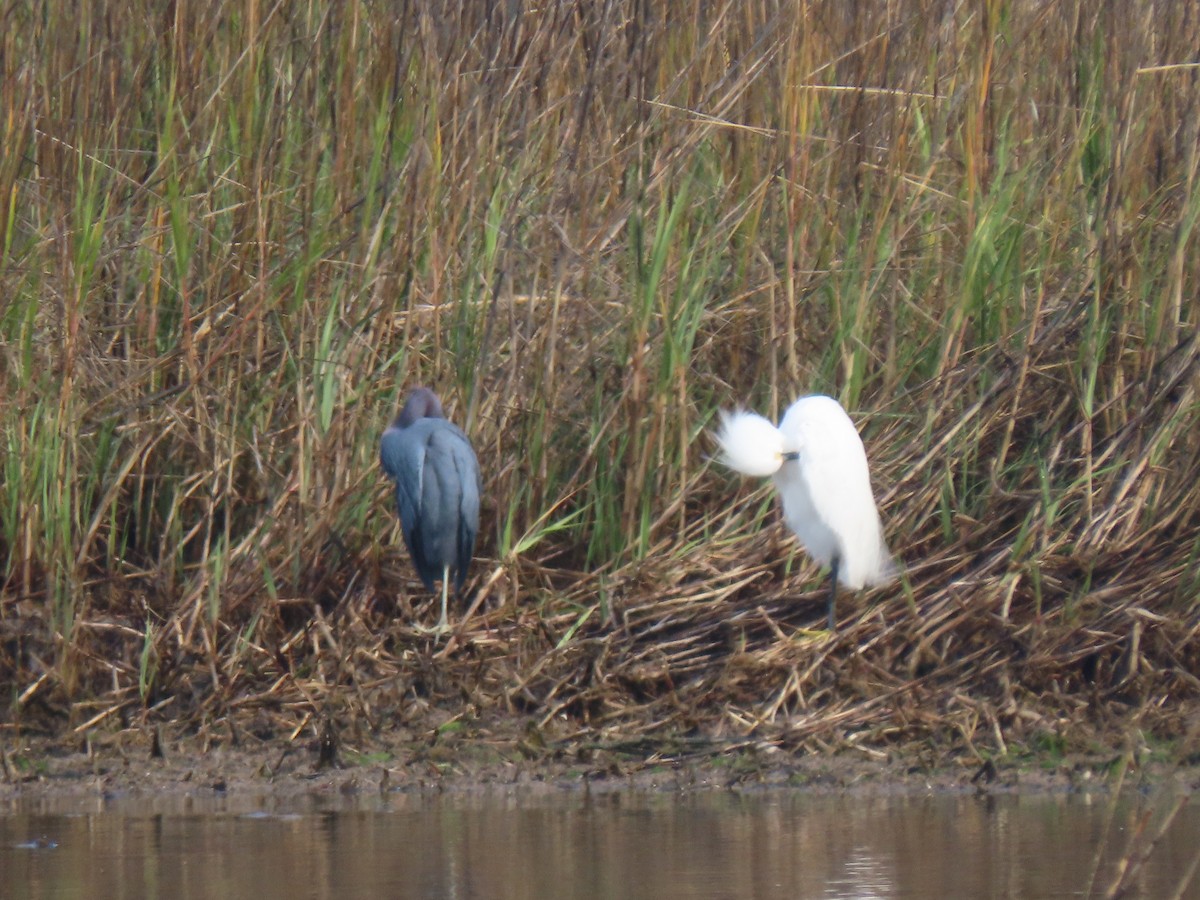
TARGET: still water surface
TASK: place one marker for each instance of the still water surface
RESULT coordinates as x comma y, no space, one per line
576,847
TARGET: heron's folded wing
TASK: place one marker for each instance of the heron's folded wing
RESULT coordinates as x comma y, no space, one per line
402,455
467,467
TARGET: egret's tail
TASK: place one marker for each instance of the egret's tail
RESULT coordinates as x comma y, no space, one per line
750,444
879,566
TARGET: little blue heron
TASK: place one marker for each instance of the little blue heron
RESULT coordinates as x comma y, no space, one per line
820,470
437,491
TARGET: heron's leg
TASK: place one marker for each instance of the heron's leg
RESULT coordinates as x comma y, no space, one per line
443,624
833,570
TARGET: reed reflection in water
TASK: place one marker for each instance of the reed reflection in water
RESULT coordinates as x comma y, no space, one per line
610,845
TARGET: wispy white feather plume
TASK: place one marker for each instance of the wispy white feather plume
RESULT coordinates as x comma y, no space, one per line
750,444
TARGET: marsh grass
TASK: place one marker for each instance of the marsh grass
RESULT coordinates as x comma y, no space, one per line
234,234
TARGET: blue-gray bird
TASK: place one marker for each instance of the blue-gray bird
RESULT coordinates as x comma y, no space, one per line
437,491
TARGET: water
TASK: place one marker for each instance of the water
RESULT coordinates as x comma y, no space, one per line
618,845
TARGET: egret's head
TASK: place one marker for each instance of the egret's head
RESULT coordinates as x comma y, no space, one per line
792,445
750,444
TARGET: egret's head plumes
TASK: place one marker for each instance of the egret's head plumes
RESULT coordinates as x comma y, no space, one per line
750,444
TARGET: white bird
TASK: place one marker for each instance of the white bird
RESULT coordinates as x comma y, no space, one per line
820,469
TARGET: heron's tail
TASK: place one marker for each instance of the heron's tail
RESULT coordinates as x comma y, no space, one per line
750,444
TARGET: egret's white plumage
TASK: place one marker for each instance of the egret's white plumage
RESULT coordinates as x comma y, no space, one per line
820,470
750,444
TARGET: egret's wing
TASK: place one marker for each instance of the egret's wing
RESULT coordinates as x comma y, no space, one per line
845,492
839,513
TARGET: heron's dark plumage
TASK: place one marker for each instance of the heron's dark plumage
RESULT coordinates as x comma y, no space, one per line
437,488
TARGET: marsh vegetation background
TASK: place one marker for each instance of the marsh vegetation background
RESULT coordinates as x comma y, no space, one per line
234,233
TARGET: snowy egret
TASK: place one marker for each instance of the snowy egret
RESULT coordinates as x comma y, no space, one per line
437,491
820,470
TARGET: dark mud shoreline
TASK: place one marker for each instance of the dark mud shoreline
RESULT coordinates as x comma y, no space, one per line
503,760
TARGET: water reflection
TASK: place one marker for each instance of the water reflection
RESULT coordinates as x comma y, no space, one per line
614,845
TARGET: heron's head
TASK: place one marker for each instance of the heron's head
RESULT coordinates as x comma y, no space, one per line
422,403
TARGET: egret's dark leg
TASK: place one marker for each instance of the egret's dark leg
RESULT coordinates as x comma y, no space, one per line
833,567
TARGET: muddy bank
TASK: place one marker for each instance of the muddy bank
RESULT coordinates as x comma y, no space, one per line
505,756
